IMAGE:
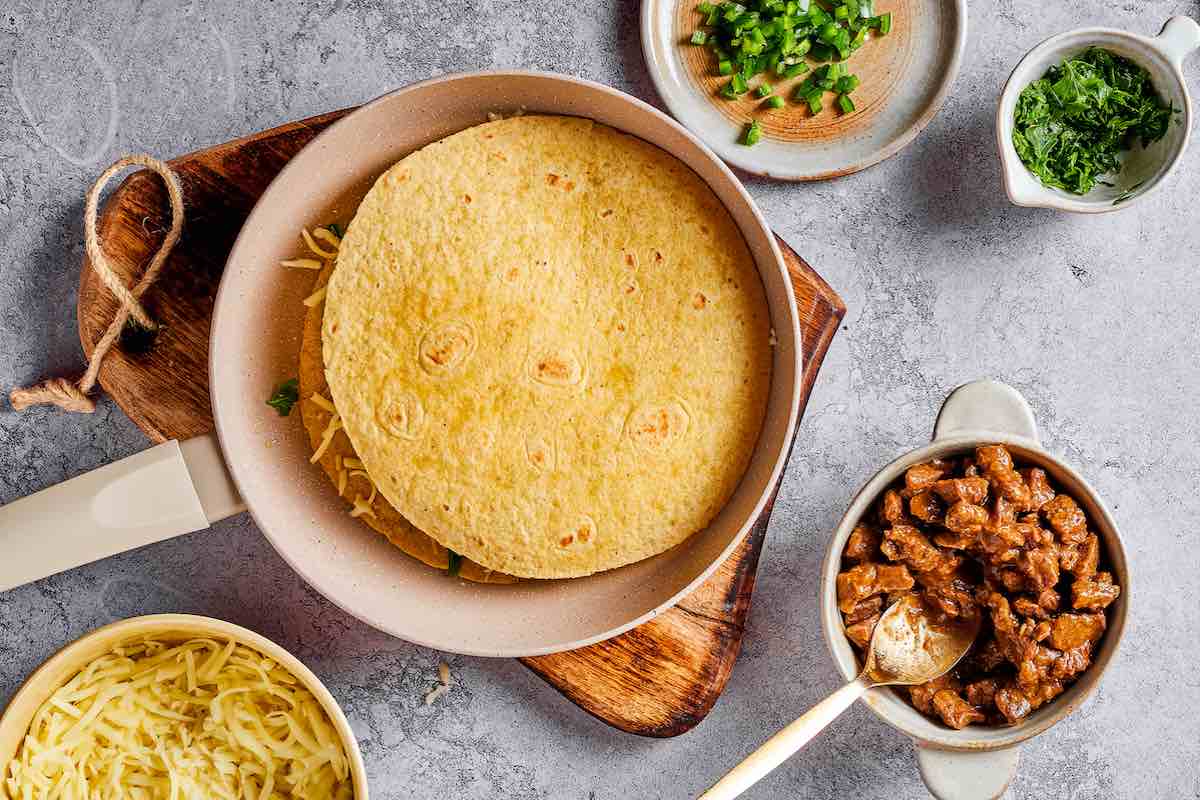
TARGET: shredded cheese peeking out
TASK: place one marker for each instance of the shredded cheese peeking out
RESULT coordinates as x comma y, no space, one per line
363,507
334,425
320,402
316,248
443,686
326,235
301,263
353,463
316,297
193,719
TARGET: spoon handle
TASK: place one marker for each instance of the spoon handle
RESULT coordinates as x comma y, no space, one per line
780,747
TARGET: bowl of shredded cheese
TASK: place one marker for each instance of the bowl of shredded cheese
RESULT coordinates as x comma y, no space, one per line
177,706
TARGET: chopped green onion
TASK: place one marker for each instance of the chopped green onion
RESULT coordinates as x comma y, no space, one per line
753,134
787,38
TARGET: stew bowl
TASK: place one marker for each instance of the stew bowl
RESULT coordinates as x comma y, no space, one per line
978,762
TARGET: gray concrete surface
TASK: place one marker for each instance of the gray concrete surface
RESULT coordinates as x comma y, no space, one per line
1095,320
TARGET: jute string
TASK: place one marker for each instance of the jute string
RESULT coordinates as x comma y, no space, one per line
73,396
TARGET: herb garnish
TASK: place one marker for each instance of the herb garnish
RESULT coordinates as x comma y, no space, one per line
750,37
335,228
455,563
285,397
1070,125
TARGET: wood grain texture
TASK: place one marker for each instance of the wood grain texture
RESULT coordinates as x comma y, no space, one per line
659,679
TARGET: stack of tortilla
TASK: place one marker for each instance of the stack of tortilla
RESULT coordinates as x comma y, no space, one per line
544,347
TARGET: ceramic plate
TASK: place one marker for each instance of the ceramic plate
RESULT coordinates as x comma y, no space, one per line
905,76
256,339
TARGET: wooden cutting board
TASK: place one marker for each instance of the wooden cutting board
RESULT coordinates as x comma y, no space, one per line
659,679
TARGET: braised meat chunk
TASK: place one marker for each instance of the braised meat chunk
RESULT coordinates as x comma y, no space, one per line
983,535
863,544
1094,593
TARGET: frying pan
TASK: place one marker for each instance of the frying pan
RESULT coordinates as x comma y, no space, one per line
261,462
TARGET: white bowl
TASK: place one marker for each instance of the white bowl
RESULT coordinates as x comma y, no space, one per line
977,762
1143,169
64,664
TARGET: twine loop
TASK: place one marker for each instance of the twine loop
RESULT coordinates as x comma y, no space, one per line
73,396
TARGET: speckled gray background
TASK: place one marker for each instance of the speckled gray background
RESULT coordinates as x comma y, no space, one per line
1095,320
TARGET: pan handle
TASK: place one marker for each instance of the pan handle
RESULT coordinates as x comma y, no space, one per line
166,491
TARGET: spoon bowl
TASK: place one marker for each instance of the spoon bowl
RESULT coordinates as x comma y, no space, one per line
909,646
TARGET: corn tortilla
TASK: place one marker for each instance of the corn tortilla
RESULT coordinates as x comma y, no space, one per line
383,517
549,345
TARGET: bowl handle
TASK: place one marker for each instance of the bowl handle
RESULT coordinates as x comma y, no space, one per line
983,407
958,775
976,409
1180,36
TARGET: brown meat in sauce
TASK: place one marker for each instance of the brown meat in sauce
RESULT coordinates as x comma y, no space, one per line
984,535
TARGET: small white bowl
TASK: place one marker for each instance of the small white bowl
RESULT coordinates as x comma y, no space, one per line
1143,168
977,762
64,664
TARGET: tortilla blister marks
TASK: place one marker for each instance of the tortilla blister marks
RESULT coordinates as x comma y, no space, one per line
563,361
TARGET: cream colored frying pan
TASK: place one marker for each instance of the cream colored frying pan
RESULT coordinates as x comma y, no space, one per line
175,488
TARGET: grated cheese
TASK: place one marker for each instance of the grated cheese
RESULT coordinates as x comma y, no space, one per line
191,719
361,506
443,685
316,248
315,297
334,425
320,402
301,263
326,235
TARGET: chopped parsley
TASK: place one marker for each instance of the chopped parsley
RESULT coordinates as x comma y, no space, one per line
1070,125
285,396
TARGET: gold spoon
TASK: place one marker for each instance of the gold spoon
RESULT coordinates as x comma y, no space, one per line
907,648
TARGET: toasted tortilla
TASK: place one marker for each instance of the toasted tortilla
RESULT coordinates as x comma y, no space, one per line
549,344
383,518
